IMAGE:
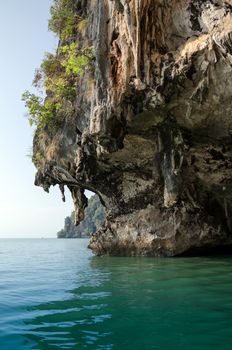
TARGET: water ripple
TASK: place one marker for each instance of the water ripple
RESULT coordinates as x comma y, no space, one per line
55,295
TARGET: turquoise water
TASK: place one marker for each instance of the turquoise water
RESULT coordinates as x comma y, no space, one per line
55,295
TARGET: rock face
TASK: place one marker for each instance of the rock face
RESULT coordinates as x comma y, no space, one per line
152,131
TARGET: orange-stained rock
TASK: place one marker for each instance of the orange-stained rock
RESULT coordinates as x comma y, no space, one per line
152,128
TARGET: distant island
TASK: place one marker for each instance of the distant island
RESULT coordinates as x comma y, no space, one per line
94,218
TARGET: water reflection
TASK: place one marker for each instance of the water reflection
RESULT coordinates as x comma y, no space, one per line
76,322
134,303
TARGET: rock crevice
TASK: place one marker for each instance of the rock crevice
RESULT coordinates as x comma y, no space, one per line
152,128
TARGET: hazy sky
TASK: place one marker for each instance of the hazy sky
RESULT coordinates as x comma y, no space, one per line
25,210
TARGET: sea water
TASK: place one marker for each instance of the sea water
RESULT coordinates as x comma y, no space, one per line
54,294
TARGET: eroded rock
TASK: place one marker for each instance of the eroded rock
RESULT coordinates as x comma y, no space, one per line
152,131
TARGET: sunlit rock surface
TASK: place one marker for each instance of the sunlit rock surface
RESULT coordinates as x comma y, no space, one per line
152,132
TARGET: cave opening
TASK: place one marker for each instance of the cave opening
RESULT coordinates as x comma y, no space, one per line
220,250
220,214
95,213
91,219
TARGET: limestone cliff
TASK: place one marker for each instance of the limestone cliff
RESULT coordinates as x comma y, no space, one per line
94,219
151,133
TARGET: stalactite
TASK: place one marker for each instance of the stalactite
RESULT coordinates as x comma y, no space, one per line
151,130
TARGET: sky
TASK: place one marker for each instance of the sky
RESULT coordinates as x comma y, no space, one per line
25,210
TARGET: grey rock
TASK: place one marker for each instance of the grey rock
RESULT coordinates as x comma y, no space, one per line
152,132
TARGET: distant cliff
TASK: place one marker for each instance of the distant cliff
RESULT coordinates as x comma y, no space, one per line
138,110
94,218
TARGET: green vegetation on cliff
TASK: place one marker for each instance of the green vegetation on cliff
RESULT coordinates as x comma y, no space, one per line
94,218
58,74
